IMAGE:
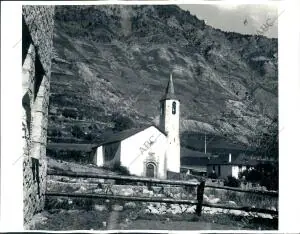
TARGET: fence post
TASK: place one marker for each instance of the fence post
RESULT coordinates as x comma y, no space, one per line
149,186
200,192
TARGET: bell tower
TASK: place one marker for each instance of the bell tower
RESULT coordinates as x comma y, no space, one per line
169,122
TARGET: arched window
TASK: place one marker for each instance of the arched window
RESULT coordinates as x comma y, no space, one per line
150,170
174,108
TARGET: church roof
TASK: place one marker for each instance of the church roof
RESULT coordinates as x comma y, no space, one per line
193,161
185,152
169,94
192,158
119,136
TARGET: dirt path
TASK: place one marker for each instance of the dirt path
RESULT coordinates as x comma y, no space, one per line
116,220
113,220
177,225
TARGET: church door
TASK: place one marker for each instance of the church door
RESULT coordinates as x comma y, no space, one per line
150,170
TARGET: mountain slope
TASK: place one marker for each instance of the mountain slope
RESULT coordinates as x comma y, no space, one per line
112,63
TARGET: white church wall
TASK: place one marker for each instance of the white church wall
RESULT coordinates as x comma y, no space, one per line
171,127
98,157
137,150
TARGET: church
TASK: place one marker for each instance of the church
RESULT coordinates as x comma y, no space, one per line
150,151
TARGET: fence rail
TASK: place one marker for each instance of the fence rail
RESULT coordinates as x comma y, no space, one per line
260,192
124,198
123,178
198,202
243,208
160,200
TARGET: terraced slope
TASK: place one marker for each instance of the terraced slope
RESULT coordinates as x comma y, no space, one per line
111,65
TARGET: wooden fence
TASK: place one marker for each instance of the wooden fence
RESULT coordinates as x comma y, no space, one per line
153,181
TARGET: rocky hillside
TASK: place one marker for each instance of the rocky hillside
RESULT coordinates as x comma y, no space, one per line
111,65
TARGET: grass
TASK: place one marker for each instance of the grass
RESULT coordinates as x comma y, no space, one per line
229,220
62,165
66,204
81,219
72,220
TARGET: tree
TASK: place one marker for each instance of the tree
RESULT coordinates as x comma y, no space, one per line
266,174
267,146
122,122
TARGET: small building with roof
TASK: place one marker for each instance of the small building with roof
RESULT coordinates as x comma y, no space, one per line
194,162
228,165
150,151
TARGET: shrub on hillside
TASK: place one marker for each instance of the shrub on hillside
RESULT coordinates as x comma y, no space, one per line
122,122
77,131
69,113
232,182
90,137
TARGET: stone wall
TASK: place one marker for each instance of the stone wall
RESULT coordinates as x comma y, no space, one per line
40,21
37,41
101,186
